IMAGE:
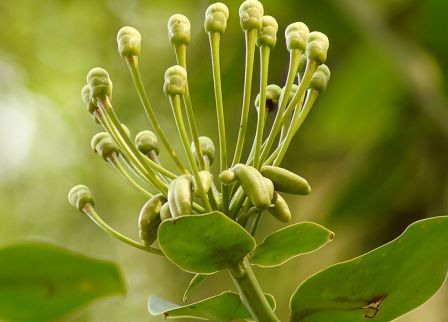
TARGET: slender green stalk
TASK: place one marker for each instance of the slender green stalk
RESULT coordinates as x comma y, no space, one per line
294,57
132,62
296,123
251,293
175,104
214,39
264,67
181,56
90,211
250,38
255,224
113,159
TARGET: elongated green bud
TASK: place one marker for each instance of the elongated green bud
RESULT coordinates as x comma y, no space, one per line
180,196
79,196
175,81
279,209
85,94
216,17
317,47
272,96
285,180
146,141
149,219
165,212
320,78
296,35
267,35
259,189
99,83
206,180
103,144
251,15
207,146
179,30
129,42
227,176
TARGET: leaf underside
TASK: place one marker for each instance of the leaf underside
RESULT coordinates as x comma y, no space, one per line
289,242
42,282
226,306
204,244
380,285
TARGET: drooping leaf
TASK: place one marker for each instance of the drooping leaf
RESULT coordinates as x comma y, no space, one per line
42,282
380,285
195,281
226,306
289,242
204,244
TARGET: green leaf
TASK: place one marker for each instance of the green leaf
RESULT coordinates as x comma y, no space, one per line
42,282
204,244
222,307
290,242
382,284
195,281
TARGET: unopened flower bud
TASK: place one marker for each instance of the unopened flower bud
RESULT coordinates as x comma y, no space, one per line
206,182
251,15
179,30
320,78
146,141
85,94
296,35
207,147
272,96
149,219
129,42
216,17
317,47
99,83
79,196
103,144
267,35
227,176
175,81
302,65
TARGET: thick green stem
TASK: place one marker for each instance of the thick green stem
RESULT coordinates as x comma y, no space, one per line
251,293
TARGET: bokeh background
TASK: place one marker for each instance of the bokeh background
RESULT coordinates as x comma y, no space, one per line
374,148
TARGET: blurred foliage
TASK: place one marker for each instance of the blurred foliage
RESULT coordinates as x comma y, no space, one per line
374,148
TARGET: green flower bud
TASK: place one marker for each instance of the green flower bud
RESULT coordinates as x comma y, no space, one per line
285,180
251,15
180,196
207,146
259,189
272,96
103,144
206,180
85,94
129,42
267,35
302,65
279,209
179,30
296,35
165,212
317,47
216,17
99,83
320,78
175,81
227,176
146,141
79,196
149,219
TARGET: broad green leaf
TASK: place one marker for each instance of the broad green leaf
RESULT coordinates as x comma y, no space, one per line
204,244
42,282
195,281
382,284
222,307
290,242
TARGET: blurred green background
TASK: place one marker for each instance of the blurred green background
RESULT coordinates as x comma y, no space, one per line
374,148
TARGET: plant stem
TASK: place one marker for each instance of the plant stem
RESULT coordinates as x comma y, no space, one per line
251,293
